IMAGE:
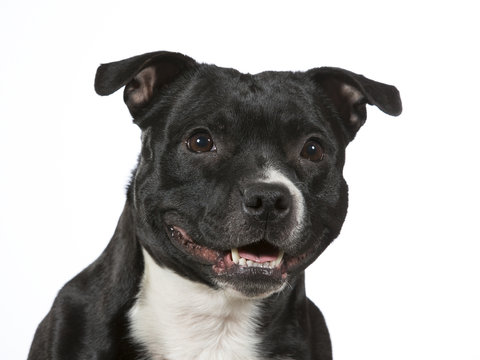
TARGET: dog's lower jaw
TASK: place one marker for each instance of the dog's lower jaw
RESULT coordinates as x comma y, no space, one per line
176,318
247,270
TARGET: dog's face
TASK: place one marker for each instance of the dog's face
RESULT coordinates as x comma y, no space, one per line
239,183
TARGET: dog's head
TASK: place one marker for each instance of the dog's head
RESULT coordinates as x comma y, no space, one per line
239,182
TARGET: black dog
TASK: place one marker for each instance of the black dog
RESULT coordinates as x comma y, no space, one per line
238,188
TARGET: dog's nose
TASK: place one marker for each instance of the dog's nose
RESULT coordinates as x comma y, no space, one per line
267,201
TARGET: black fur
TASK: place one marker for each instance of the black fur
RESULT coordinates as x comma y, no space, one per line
256,122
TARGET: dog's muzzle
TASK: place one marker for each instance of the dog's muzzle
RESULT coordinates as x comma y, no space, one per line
262,204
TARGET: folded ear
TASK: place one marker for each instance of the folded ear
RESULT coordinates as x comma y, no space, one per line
350,92
143,76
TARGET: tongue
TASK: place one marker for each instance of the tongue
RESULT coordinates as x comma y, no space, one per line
259,252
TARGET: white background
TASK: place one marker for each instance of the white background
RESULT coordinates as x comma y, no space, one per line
401,281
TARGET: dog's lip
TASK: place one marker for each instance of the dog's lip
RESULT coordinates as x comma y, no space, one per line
273,262
184,242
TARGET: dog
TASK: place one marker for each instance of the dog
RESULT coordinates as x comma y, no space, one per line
238,188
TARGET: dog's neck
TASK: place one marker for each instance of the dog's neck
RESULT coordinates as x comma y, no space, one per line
175,318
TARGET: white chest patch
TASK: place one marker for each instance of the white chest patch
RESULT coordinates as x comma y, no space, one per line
178,319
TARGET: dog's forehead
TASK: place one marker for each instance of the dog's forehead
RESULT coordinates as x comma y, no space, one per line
237,101
271,88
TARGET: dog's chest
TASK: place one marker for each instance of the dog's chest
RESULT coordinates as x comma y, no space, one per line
175,318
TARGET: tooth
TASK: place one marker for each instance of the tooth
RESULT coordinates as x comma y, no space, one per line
235,256
242,262
249,262
279,258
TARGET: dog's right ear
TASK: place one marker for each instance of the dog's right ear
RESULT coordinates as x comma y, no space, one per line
143,76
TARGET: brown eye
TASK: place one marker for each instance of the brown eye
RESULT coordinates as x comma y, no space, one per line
312,151
200,142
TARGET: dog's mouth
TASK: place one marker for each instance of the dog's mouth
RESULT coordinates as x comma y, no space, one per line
261,257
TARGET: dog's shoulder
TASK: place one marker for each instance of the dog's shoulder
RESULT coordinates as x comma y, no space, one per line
88,318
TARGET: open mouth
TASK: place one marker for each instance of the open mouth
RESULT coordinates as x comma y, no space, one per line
260,254
260,257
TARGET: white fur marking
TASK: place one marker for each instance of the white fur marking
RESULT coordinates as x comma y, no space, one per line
179,319
275,176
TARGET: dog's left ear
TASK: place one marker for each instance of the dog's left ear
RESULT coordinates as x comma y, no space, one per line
143,77
350,92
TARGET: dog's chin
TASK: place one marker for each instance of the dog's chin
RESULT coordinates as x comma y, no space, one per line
251,284
257,270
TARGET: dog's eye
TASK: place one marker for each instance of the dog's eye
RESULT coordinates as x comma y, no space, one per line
313,151
200,142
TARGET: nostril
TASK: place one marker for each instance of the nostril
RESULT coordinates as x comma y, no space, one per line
282,204
254,202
